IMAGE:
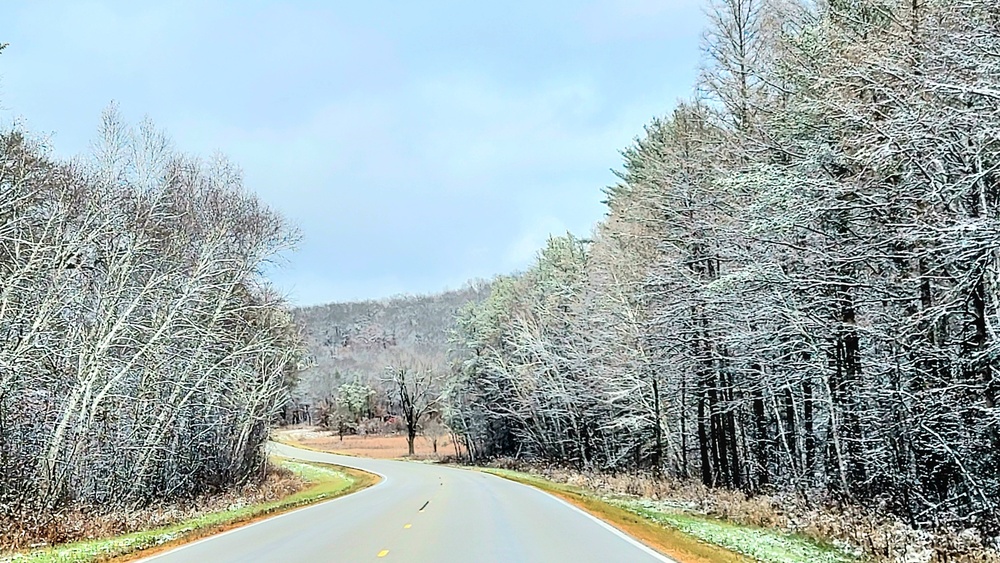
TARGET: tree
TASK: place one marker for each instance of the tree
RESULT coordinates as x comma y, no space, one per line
415,392
351,343
142,356
358,398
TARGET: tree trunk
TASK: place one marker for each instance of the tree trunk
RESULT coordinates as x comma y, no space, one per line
658,432
761,440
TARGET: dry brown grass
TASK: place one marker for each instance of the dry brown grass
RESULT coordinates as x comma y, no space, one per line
371,445
33,528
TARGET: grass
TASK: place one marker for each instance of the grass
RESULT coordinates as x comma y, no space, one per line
393,446
326,482
685,536
771,546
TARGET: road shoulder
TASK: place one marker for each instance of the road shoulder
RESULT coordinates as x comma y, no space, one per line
325,482
684,536
670,542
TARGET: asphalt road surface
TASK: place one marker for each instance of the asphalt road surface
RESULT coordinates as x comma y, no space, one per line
422,513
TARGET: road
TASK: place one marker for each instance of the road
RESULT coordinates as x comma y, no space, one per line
422,513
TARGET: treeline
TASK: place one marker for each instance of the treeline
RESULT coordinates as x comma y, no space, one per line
796,284
142,354
346,384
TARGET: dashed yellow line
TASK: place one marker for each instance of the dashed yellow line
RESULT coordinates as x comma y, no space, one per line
407,526
383,553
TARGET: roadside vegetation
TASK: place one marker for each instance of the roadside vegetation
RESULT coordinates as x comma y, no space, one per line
760,544
290,485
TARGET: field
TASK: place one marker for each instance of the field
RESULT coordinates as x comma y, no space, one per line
371,445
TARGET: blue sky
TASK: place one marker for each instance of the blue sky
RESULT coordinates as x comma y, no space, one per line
415,144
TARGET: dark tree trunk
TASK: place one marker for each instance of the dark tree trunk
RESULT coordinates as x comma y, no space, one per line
704,446
808,426
761,445
791,430
658,432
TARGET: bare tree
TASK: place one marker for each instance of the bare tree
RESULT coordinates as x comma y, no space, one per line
142,356
414,391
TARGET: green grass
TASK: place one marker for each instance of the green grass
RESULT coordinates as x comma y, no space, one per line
761,544
325,483
684,530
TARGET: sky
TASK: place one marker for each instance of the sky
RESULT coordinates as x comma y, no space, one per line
415,145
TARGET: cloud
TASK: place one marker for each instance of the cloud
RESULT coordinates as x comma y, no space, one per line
414,146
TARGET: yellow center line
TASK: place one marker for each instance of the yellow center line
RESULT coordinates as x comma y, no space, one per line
383,553
407,526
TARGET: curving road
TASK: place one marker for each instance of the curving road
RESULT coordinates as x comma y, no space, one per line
422,513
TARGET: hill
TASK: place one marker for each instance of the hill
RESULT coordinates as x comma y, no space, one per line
354,342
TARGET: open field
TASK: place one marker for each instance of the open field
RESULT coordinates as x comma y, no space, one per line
371,445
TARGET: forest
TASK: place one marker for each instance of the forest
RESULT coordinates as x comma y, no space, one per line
359,352
796,285
143,355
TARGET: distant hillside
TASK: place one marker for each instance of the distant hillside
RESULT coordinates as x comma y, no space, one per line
353,341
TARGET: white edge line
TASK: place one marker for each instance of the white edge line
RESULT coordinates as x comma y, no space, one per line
385,479
649,551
